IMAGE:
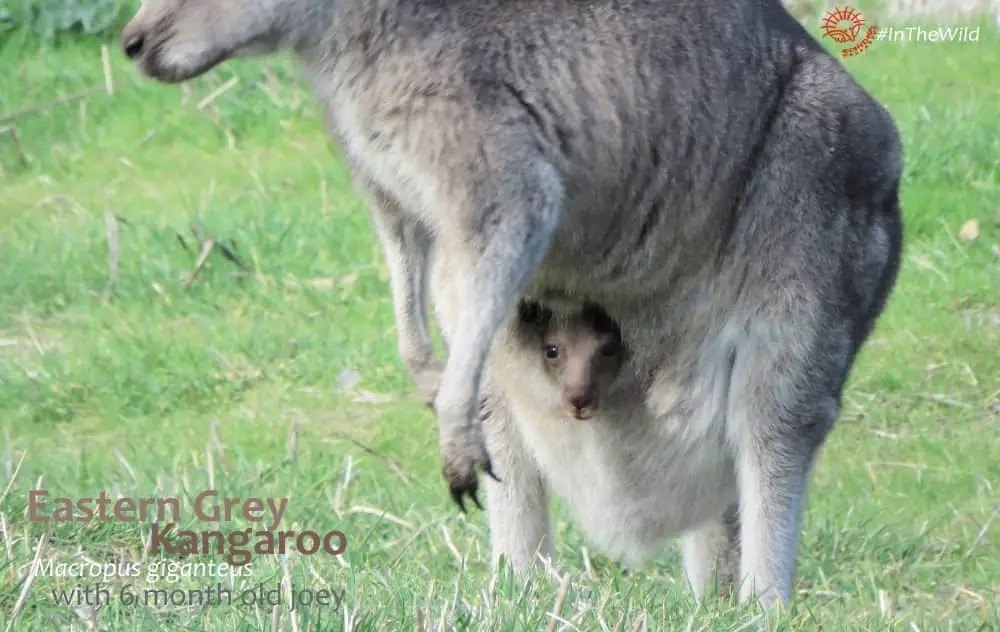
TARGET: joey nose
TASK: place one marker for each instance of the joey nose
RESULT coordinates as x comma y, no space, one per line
132,45
581,401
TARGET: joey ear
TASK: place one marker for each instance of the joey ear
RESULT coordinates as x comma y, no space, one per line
610,348
533,313
528,311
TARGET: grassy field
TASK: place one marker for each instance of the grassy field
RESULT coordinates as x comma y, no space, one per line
282,380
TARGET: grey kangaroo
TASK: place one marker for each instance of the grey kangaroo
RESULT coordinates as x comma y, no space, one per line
702,169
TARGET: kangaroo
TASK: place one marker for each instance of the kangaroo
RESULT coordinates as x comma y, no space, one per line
582,352
702,169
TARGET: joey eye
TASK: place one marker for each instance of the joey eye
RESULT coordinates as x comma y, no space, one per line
551,352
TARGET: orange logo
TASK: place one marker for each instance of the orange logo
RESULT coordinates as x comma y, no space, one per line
844,26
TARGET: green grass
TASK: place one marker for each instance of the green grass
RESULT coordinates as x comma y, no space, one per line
239,383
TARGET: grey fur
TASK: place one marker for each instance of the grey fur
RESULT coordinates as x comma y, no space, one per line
702,169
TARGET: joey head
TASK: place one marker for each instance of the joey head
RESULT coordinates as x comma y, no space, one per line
582,351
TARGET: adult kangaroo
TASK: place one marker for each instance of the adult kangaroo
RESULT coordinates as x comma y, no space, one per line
702,169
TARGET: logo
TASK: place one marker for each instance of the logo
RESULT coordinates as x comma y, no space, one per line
844,26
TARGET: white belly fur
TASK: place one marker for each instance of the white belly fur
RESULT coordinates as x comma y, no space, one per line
638,473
